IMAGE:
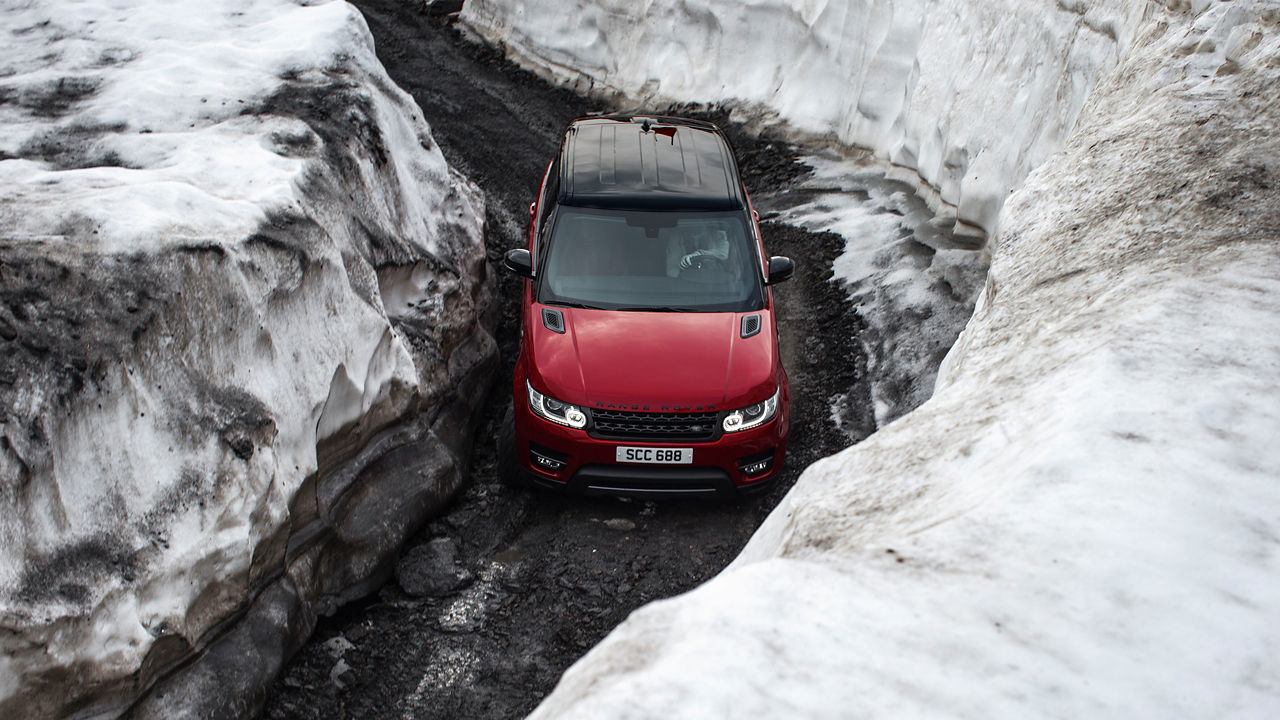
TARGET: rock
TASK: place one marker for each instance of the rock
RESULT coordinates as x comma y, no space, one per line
341,675
337,646
442,7
432,570
357,633
465,614
621,524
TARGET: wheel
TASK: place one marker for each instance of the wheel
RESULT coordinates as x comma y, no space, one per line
509,470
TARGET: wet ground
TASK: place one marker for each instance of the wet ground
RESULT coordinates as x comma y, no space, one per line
494,600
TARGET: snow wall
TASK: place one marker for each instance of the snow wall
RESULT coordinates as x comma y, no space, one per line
243,315
1084,520
969,95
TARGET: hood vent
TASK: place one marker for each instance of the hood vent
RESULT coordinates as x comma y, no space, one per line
750,325
553,320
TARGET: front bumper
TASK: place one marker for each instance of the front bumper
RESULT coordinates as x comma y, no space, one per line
566,459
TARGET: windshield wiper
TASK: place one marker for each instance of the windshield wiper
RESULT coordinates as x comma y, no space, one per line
655,308
583,306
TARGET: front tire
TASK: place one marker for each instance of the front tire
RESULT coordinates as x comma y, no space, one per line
509,470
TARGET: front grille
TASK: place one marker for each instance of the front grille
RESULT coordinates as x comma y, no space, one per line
654,426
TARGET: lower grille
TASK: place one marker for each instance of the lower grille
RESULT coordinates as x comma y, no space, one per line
654,426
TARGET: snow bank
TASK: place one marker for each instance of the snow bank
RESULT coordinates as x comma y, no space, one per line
240,298
971,96
913,281
1084,520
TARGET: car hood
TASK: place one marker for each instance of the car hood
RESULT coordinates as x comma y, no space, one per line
654,360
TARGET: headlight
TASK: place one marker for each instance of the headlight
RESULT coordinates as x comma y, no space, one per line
753,416
549,408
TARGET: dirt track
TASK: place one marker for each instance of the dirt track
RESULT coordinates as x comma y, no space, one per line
539,579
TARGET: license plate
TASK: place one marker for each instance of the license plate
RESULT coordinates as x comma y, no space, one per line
656,456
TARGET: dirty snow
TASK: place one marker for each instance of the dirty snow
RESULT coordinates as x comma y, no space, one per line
198,204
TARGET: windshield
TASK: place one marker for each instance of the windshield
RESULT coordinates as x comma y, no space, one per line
651,260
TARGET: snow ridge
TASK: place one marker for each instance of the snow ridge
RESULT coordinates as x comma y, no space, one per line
238,275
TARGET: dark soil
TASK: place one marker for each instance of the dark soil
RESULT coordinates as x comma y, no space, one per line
527,581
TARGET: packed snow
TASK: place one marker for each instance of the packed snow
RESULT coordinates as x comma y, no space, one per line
236,272
1084,519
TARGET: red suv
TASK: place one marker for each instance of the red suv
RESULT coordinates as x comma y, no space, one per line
648,353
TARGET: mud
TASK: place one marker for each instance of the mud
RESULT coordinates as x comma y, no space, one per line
531,580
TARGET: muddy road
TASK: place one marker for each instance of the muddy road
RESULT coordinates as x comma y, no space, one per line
493,601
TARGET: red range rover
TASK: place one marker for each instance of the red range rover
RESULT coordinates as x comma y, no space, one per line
648,354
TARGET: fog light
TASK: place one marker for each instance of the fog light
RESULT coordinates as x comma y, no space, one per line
756,464
545,460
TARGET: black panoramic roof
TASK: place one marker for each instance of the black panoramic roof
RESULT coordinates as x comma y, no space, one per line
648,162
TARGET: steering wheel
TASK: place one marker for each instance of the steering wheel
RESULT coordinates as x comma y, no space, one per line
703,263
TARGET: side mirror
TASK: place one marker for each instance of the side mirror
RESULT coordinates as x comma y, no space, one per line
520,262
780,268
